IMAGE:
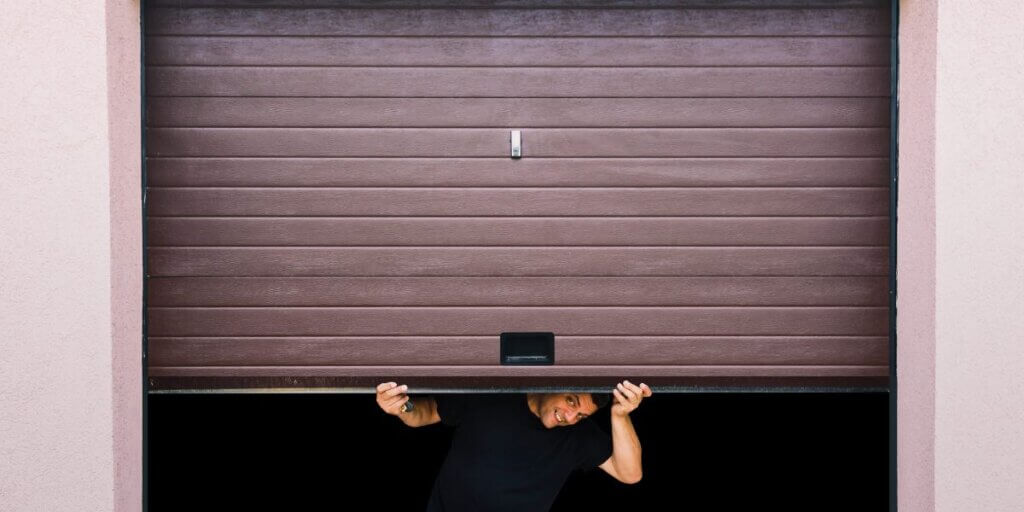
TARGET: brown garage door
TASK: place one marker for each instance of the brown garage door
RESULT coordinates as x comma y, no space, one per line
702,196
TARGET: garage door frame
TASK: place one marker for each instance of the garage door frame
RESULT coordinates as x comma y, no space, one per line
891,390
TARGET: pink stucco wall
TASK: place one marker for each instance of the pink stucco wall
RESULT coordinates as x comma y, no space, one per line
979,256
915,257
70,257
961,269
124,128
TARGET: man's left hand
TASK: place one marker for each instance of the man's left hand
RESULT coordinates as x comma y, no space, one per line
628,397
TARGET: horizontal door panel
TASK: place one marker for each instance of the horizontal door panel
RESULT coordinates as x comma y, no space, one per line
520,82
498,51
505,172
539,142
489,377
435,321
518,291
525,261
517,202
518,112
172,231
484,350
517,22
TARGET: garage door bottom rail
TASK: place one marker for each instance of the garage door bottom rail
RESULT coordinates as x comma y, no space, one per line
178,384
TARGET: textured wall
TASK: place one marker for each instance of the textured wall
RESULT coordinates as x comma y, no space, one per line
979,257
124,131
69,386
915,256
961,270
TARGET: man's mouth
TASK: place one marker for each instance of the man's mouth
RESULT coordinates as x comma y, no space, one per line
559,417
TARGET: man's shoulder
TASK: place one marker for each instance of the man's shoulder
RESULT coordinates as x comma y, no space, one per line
454,407
589,428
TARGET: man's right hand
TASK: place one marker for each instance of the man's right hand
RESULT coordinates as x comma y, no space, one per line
391,397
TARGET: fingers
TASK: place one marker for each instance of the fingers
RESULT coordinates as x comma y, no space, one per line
620,397
643,390
391,397
389,389
395,391
628,396
388,403
396,406
634,388
627,391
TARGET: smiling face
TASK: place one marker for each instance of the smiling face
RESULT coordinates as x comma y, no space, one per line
563,409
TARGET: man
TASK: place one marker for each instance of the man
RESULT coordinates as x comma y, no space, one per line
511,452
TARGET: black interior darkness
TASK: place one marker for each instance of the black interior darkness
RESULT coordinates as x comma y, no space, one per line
709,451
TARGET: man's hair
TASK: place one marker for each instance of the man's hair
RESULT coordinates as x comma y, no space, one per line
601,399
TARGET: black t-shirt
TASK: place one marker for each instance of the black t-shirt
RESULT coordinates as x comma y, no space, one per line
503,458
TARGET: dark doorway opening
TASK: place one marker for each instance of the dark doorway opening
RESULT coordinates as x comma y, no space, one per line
712,451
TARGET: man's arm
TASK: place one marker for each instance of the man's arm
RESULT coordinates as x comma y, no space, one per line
624,464
391,398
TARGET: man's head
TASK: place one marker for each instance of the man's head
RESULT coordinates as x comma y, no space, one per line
565,409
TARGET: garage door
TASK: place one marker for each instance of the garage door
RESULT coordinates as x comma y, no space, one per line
701,196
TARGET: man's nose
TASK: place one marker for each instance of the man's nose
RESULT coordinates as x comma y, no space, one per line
572,416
